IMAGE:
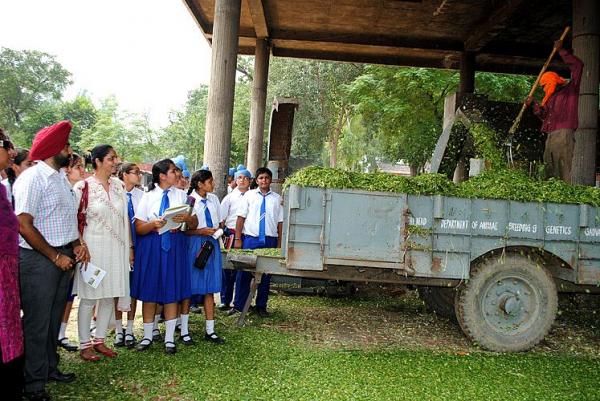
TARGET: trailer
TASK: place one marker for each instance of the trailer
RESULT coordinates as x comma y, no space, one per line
498,264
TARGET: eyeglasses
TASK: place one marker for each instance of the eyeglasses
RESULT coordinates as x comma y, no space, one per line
6,144
135,172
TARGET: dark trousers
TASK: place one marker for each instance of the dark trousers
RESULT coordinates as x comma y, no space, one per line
243,279
43,298
12,376
227,286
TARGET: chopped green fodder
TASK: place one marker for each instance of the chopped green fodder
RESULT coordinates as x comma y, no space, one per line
492,184
273,252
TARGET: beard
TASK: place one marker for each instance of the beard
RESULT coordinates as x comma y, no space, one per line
62,161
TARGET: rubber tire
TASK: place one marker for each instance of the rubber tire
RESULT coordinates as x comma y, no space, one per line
471,318
439,300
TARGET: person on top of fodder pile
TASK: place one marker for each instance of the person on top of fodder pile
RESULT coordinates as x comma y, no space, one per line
558,112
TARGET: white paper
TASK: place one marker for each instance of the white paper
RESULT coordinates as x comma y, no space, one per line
168,217
92,275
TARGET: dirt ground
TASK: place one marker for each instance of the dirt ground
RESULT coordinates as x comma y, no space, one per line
395,317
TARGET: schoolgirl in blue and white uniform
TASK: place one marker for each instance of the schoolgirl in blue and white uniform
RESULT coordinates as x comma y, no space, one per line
206,281
161,274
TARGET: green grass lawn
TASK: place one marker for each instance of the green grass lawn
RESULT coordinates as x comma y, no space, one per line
360,348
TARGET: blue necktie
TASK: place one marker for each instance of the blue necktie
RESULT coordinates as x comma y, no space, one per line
131,214
165,241
209,222
261,223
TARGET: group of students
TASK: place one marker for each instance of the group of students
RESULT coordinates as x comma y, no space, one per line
68,224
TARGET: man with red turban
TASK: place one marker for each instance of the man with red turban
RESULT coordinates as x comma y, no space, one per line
559,113
49,248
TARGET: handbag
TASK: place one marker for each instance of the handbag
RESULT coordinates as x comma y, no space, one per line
203,255
83,204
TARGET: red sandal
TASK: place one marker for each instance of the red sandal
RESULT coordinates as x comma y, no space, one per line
104,350
88,354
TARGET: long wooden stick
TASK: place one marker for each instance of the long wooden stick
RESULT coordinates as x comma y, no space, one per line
515,125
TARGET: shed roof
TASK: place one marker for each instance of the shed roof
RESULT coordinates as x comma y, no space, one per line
513,36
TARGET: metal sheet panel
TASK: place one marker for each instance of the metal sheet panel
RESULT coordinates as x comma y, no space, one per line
364,225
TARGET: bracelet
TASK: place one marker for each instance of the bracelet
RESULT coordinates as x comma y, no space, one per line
56,258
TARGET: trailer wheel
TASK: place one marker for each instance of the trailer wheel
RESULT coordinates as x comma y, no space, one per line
439,300
508,305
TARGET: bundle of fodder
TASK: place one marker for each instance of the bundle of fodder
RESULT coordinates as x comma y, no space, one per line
516,185
274,252
493,184
321,177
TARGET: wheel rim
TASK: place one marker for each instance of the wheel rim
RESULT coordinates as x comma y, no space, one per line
510,304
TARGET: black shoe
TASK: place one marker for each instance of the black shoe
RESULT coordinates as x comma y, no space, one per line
224,307
130,340
40,395
144,346
196,309
213,338
58,376
232,312
178,328
187,340
170,350
262,312
156,335
66,345
119,339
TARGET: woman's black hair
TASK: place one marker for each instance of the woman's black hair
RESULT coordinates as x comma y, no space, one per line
158,168
74,159
198,177
99,152
125,168
22,155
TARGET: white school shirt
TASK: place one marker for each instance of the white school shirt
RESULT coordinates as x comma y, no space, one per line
46,194
229,207
212,203
149,207
8,187
249,208
136,197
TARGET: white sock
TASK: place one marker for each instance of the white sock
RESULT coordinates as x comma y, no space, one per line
170,332
130,327
210,327
148,331
156,317
118,326
184,324
63,330
178,321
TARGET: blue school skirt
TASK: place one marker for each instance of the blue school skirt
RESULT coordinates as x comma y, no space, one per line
209,279
159,276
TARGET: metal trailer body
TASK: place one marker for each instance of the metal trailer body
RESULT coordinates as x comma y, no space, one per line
506,259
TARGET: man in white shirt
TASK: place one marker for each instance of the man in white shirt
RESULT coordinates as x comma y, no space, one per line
229,207
260,219
49,249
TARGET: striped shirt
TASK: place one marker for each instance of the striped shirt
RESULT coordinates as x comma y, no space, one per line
46,195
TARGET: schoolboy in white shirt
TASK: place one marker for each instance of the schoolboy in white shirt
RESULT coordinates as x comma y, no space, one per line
260,219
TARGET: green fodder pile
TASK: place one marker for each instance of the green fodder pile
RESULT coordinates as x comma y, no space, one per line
493,184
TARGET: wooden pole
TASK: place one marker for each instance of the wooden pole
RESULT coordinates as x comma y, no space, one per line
219,117
465,85
586,46
257,110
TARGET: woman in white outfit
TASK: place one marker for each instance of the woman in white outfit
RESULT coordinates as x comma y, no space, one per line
108,237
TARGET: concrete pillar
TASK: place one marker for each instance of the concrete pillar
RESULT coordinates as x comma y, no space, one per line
219,117
586,46
259,99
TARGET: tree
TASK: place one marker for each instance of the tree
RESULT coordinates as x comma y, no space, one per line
28,79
